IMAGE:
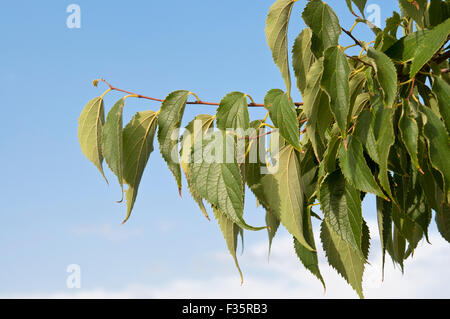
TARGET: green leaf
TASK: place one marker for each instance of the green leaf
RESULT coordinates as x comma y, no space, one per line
232,112
437,12
427,180
342,257
418,14
335,82
384,136
273,223
361,4
230,232
409,132
405,49
442,91
112,142
431,43
216,176
392,24
317,109
194,132
438,146
443,221
364,132
138,138
365,240
356,86
398,247
355,169
328,164
341,205
308,257
291,195
385,227
386,75
302,58
276,33
169,121
283,115
254,165
309,170
324,24
90,125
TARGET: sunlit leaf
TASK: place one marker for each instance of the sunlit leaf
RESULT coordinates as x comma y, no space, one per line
90,126
276,33
138,138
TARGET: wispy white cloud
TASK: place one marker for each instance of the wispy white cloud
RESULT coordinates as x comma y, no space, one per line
426,276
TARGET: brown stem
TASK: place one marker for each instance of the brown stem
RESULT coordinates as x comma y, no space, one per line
412,89
359,60
140,96
353,38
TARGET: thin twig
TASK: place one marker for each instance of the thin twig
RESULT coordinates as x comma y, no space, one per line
140,96
359,60
357,42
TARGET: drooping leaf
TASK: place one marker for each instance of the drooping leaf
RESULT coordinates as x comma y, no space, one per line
255,164
443,221
335,83
194,132
169,121
384,136
216,176
386,75
364,132
283,115
302,58
230,232
90,126
341,205
365,240
112,140
409,132
356,86
355,169
427,180
438,146
276,33
324,24
384,227
348,262
328,164
398,247
232,112
291,211
272,223
317,109
309,172
431,43
417,210
138,138
442,90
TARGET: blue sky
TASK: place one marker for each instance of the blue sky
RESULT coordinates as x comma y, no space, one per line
57,210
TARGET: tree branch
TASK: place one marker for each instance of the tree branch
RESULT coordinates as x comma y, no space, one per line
353,38
140,96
